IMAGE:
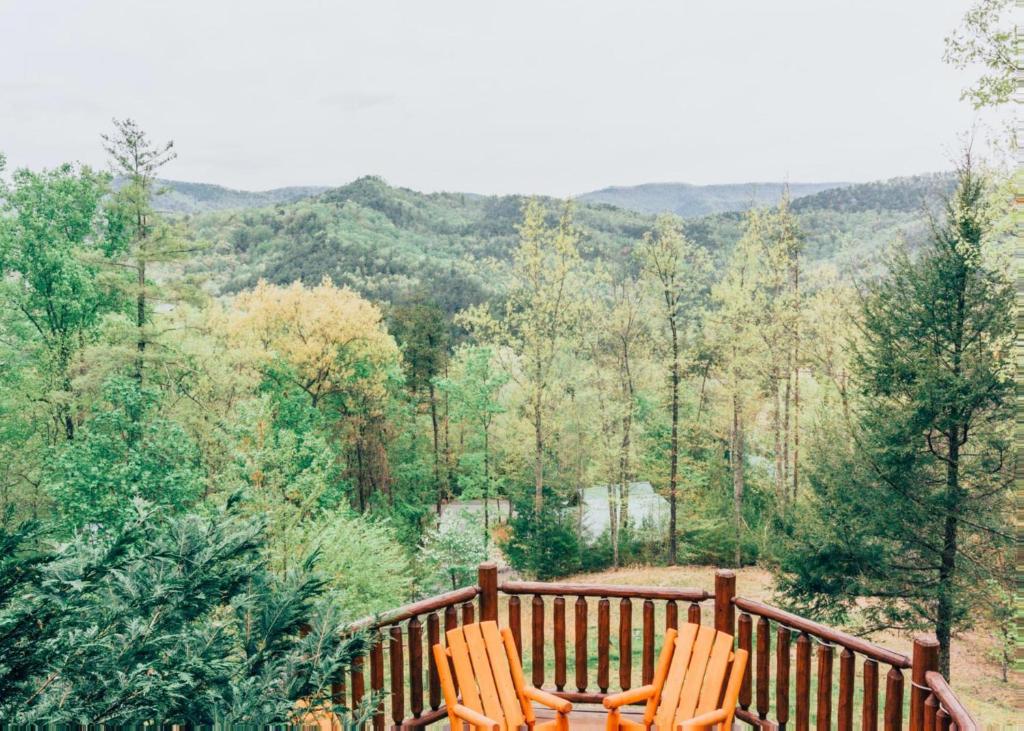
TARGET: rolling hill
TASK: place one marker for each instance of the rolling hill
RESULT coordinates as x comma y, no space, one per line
387,242
690,201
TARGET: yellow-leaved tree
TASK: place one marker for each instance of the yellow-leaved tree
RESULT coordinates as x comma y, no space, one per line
332,344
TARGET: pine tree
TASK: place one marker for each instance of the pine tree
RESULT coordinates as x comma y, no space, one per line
910,515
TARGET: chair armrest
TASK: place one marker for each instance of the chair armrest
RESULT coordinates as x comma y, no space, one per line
544,698
705,720
474,718
617,700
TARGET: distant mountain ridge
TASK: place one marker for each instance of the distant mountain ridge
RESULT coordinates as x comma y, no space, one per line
179,196
690,201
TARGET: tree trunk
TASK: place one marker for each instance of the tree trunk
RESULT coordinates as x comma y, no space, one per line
796,430
437,453
736,453
947,562
780,485
613,522
538,455
487,487
673,474
140,316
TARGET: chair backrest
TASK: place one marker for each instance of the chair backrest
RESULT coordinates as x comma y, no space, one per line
697,672
488,672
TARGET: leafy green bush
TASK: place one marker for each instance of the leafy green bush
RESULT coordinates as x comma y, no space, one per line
167,620
451,553
543,544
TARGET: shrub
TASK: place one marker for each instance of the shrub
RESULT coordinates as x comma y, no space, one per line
545,544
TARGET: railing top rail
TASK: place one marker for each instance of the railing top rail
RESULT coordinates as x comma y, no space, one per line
947,698
856,644
605,590
423,606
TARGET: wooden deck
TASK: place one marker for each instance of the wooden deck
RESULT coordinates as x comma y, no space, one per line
584,716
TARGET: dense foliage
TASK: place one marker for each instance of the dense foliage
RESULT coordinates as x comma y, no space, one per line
165,620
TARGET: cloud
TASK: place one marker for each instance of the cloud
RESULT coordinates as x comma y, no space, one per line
356,101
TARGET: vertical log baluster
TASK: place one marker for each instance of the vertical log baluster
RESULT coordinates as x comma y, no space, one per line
451,621
845,715
358,683
743,625
725,610
515,623
603,642
647,659
468,613
625,643
782,676
942,720
560,643
869,711
803,682
925,657
415,667
824,687
693,613
397,663
893,715
581,644
671,615
537,637
377,682
434,681
764,649
931,709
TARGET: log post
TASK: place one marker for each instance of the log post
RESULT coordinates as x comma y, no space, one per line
487,578
725,592
925,658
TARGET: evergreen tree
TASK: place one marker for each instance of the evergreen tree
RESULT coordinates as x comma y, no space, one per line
910,515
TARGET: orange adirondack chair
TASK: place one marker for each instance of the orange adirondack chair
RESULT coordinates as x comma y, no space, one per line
494,693
696,684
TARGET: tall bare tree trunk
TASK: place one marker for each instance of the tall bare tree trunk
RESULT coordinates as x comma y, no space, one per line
780,484
673,474
736,454
439,490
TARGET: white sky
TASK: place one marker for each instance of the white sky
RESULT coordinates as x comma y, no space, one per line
551,96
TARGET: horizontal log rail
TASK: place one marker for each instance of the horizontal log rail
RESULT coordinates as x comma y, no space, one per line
949,703
423,606
585,641
605,590
821,631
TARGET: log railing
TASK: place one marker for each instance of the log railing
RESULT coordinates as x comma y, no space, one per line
613,636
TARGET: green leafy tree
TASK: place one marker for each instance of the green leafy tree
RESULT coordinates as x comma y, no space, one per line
911,514
54,235
541,315
452,552
987,37
679,273
127,449
168,620
473,392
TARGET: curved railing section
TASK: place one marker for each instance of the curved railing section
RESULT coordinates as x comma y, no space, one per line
584,641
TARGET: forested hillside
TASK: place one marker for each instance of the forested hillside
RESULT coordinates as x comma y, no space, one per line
687,200
386,241
176,196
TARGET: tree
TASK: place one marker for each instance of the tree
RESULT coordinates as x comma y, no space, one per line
332,344
541,314
54,235
452,551
679,271
126,450
911,514
423,333
150,245
473,391
988,39
167,620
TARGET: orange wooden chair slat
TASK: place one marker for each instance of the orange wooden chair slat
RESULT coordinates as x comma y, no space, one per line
695,686
494,693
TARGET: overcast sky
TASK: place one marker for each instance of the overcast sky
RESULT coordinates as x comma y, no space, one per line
549,97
